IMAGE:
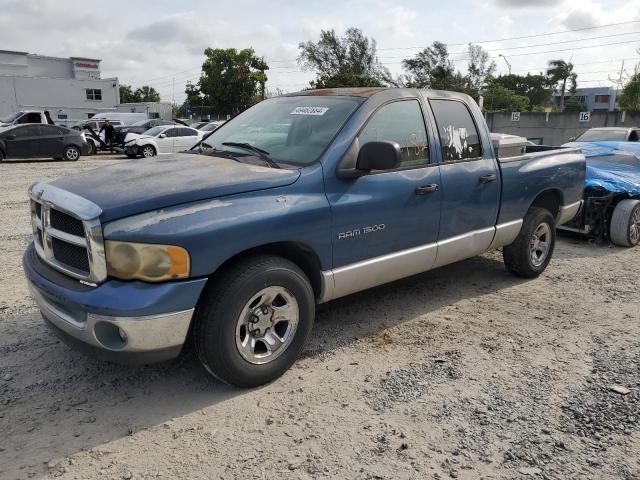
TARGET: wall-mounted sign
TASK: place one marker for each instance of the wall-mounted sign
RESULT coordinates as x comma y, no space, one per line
515,116
88,66
584,117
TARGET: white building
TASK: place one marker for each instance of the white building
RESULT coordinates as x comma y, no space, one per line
69,88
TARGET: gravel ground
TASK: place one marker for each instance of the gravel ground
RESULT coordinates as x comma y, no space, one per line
464,372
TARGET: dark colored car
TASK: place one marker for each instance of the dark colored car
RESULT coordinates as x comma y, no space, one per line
39,140
138,127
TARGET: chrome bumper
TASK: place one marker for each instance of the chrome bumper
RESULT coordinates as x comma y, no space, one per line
567,212
119,335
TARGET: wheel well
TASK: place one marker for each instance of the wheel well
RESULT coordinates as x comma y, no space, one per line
299,253
550,200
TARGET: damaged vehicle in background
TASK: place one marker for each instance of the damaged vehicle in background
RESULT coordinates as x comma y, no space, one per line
138,128
611,208
161,139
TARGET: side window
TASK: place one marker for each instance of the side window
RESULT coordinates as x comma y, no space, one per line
458,133
187,132
171,132
401,122
49,130
27,131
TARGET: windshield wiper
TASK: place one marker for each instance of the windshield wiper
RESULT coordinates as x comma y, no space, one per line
263,154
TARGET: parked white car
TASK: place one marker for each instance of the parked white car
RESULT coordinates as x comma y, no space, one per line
161,139
211,126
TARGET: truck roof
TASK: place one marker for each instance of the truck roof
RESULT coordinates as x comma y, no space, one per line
367,92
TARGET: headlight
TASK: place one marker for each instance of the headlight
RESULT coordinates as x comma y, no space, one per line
143,261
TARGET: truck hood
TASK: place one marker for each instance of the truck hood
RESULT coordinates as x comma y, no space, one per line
138,186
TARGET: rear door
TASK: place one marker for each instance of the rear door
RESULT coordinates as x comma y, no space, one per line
23,141
51,141
470,182
187,139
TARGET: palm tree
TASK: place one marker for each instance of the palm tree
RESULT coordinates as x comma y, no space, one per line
561,71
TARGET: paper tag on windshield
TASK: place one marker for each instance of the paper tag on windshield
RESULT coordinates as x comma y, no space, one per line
309,111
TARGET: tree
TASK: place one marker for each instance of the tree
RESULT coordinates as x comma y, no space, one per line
629,99
126,94
535,87
348,61
574,105
231,79
432,68
561,72
480,67
147,94
142,94
500,99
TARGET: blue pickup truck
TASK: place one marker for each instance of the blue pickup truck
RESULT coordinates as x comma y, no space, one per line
299,200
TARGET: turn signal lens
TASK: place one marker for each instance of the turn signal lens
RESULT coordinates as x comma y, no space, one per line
143,261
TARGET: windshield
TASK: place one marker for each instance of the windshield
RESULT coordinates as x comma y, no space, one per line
294,130
11,118
210,127
600,134
152,132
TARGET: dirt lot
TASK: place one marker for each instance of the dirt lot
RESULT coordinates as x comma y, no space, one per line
464,372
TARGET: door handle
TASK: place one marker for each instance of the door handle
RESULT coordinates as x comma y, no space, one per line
428,188
489,177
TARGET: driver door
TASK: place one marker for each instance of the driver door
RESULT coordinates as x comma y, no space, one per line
166,144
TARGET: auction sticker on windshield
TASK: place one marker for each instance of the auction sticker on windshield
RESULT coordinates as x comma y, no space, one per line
309,110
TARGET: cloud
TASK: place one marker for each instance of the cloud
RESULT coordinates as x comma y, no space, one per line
528,3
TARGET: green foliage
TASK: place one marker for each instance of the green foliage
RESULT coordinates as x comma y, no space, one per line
142,94
629,99
347,61
230,80
432,68
536,88
574,105
558,74
500,99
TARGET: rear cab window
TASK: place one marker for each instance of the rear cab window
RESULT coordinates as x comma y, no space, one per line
401,122
458,133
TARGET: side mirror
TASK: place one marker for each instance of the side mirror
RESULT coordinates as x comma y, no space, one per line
163,135
378,156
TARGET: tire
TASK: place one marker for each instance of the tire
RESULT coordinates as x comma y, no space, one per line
148,151
1,156
71,154
528,256
232,304
92,148
624,229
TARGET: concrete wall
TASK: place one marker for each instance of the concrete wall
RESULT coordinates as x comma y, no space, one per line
557,128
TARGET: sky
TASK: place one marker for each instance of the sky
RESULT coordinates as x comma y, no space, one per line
161,43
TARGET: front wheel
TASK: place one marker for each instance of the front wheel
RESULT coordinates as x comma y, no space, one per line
531,251
625,223
71,153
148,151
253,320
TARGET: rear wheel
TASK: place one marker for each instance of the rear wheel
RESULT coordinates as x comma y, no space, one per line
148,151
71,153
531,251
253,320
625,223
92,148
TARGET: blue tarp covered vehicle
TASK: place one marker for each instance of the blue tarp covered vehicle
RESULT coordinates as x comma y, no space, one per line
611,206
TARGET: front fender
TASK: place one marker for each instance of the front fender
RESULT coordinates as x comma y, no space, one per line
215,230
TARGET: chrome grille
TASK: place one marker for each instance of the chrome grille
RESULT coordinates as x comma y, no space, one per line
67,232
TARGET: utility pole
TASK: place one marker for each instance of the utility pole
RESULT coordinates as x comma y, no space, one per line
506,61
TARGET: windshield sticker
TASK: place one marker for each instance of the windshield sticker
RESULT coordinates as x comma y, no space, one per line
309,111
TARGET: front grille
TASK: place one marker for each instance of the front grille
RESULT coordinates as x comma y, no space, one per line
65,240
66,223
70,255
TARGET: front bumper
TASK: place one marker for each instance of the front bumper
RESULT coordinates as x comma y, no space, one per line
132,150
124,322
